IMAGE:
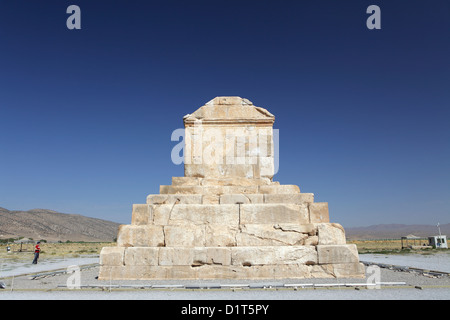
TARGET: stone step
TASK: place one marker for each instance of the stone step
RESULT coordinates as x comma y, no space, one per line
195,256
173,211
172,198
230,214
295,198
233,189
235,181
343,253
216,271
229,256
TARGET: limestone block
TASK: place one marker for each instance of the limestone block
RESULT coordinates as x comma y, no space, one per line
337,254
161,213
209,190
340,270
235,181
211,255
295,198
140,236
172,198
141,272
185,181
227,101
268,235
213,271
309,228
274,213
141,214
221,235
188,235
279,189
112,256
179,256
180,189
218,256
141,256
241,198
330,233
312,241
107,272
226,214
211,199
273,255
266,167
220,171
181,272
318,212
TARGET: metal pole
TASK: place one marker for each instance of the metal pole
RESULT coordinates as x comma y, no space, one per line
440,236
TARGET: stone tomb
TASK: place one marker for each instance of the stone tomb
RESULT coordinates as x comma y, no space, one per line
227,218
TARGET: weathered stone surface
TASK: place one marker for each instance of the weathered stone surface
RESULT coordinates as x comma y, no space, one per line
318,212
291,271
141,256
227,214
218,256
235,181
241,198
295,198
211,199
312,241
280,189
185,181
179,256
273,213
195,256
209,190
268,235
309,228
220,235
180,214
141,214
337,254
187,235
210,271
140,236
174,198
339,270
330,233
112,256
273,255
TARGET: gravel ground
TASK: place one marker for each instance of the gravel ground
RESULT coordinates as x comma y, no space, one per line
436,261
53,286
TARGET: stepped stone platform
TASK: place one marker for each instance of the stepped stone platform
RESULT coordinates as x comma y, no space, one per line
227,218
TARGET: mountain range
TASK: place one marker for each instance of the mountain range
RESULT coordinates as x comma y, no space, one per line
395,231
43,224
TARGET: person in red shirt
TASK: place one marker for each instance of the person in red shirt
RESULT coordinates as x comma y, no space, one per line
37,249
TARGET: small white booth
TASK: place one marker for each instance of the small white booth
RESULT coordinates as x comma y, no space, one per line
438,241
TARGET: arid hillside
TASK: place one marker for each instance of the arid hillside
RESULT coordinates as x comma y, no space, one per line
50,225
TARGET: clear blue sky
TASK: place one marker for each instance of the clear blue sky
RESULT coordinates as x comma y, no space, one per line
364,115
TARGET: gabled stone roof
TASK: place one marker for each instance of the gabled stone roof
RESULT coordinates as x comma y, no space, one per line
230,110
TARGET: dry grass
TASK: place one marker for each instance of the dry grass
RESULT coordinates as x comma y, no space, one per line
55,249
388,246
